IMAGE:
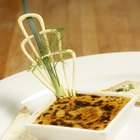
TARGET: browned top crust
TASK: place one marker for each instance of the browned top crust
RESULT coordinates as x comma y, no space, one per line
83,111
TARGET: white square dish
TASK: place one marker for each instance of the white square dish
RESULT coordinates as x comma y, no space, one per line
51,132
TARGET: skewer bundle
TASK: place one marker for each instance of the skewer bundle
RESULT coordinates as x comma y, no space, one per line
46,72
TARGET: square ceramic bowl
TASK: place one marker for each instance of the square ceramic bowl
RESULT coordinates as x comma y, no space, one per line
50,132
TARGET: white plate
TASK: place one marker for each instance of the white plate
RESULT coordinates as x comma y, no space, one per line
93,73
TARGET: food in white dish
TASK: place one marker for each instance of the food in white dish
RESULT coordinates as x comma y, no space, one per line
53,132
83,111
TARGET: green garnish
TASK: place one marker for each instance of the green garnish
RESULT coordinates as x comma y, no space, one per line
119,89
125,88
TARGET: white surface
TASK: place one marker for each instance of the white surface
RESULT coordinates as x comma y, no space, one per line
37,100
93,73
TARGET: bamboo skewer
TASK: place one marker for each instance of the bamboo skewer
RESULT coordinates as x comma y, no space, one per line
16,130
42,74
